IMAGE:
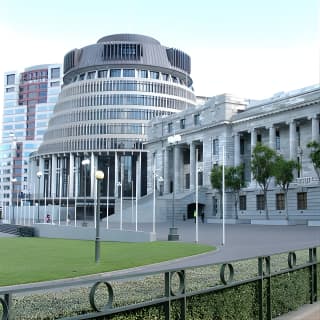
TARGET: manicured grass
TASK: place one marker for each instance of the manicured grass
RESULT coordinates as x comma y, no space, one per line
26,260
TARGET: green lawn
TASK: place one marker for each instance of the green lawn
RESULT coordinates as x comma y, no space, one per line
26,260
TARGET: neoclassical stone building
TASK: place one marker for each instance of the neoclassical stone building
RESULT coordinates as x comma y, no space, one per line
286,122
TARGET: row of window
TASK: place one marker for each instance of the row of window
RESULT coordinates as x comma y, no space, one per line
124,100
107,114
124,85
280,201
196,121
129,73
96,129
92,145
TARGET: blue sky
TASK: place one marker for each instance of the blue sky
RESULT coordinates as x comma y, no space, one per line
252,48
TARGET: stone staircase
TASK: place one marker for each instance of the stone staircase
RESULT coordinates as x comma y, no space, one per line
164,208
21,231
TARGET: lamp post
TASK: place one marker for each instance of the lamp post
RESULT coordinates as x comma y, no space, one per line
85,163
120,185
13,180
39,175
173,231
99,177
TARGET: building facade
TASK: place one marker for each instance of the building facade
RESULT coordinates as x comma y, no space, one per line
29,99
110,91
231,126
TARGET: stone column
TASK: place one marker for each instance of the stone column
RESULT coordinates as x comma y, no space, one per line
272,137
236,149
176,168
192,166
253,144
315,129
166,178
292,140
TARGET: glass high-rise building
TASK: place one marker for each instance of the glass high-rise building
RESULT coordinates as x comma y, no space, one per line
29,99
110,91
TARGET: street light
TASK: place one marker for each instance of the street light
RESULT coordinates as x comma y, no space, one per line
39,175
13,221
85,163
99,177
120,185
173,231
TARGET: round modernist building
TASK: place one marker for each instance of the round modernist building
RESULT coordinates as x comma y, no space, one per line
110,91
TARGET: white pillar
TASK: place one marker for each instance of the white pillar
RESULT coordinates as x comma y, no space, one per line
236,149
92,176
71,175
41,168
53,175
272,137
292,140
116,188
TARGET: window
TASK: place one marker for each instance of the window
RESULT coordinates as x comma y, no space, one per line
196,119
11,89
301,200
55,84
129,73
280,203
154,75
182,123
81,77
298,136
277,139
102,73
55,73
170,127
10,79
91,75
115,73
215,147
259,137
243,203
241,146
200,178
143,74
260,201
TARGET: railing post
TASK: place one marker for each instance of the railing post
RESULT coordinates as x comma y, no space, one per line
8,301
260,287
167,289
313,274
264,275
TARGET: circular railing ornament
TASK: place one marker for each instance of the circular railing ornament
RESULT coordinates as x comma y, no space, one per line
223,278
5,310
181,288
92,295
292,259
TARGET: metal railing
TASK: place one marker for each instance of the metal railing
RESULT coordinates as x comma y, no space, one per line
163,288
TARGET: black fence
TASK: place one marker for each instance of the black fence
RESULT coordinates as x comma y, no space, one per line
171,294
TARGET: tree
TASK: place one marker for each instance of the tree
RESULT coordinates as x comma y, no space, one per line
315,156
283,173
262,168
235,182
216,181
